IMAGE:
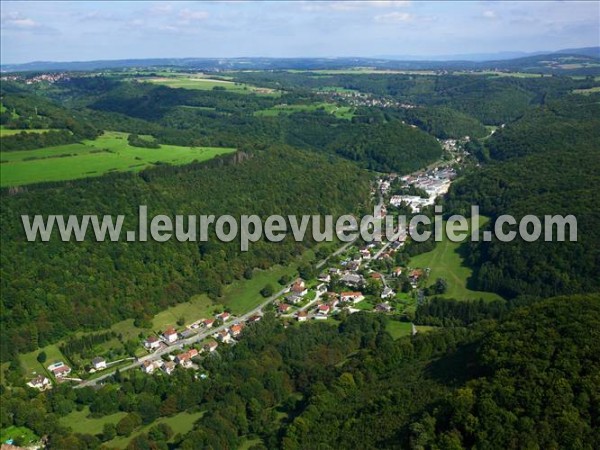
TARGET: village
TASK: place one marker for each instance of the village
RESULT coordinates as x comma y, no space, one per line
362,276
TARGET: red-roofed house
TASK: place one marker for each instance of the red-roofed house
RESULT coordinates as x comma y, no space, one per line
353,297
236,329
170,335
152,342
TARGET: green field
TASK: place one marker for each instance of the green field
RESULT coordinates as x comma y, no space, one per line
108,153
33,368
80,422
180,423
398,329
445,261
207,84
589,91
342,112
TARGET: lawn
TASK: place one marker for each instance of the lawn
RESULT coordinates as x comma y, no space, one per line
341,112
80,422
199,306
445,261
33,368
109,153
180,423
207,84
398,329
20,435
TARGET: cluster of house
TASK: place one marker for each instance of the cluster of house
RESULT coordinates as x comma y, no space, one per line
185,359
356,98
47,77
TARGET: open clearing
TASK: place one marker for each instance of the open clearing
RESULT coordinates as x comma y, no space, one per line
81,422
23,435
207,84
341,112
398,329
108,153
446,261
180,424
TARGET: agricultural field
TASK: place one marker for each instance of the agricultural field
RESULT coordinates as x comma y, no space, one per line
207,84
108,153
341,112
445,261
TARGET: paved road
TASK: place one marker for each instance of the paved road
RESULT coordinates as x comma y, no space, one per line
207,333
183,342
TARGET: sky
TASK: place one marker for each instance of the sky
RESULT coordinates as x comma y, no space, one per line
100,30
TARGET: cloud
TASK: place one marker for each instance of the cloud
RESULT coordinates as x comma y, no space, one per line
489,14
14,19
346,6
187,15
394,17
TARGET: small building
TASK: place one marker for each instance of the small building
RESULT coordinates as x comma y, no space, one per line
210,346
236,329
397,272
383,307
150,366
352,297
255,318
224,337
208,323
302,316
152,343
293,298
299,287
323,310
170,335
40,382
187,333
59,369
283,308
324,277
224,316
322,288
99,363
168,367
387,292
185,359
352,279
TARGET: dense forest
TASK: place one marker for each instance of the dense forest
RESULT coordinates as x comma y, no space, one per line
530,377
51,289
547,163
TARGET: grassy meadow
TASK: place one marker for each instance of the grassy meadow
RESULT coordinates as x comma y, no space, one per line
207,84
341,112
446,261
108,153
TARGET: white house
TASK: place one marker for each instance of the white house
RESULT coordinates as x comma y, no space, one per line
40,382
99,363
387,292
353,297
170,335
152,343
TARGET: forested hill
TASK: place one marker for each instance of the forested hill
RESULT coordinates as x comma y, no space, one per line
529,380
546,163
53,289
